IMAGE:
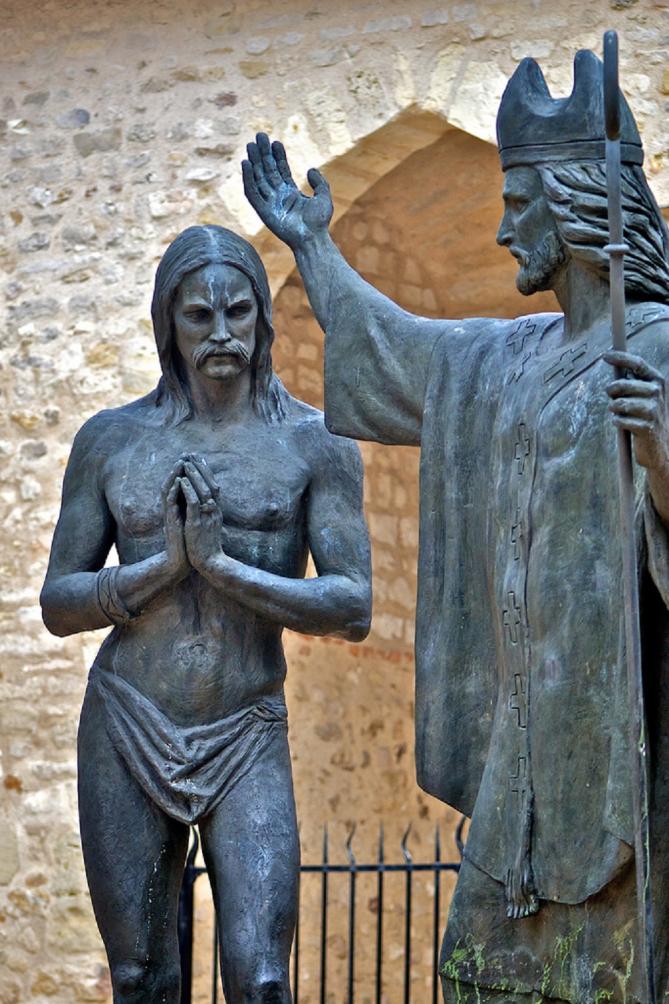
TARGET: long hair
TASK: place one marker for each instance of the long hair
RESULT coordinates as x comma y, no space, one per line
191,250
577,195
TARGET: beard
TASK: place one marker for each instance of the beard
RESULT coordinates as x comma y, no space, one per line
232,348
538,267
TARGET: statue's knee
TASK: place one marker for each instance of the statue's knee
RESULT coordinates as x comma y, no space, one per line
137,981
130,978
266,988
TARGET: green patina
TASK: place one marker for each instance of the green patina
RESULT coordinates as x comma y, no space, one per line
624,980
461,956
465,955
624,942
562,951
556,977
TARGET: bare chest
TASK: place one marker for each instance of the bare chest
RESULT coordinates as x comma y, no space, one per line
262,483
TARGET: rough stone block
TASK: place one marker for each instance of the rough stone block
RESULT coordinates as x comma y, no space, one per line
99,141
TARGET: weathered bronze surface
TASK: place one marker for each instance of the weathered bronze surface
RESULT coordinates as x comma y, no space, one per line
522,716
213,489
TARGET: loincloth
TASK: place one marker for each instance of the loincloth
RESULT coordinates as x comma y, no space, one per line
185,770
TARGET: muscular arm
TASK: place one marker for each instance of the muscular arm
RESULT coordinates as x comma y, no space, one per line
377,356
82,540
338,600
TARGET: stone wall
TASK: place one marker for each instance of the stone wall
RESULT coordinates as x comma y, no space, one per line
121,125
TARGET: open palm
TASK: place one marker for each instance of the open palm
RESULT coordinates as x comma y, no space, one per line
272,192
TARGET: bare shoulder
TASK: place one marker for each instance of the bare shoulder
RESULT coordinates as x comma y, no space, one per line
319,447
104,433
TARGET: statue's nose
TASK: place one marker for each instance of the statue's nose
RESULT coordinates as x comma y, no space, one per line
220,332
504,234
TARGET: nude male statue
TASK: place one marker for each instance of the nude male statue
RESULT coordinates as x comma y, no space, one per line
522,720
213,489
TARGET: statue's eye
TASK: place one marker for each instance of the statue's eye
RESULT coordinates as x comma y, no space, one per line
198,315
239,309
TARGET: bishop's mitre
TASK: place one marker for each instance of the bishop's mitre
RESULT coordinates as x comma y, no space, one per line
533,127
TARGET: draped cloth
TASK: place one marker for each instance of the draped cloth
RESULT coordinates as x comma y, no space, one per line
185,770
521,696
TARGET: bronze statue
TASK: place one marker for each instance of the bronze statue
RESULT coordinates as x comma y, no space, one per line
521,694
213,489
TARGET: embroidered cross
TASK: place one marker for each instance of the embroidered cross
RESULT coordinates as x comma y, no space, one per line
519,336
517,533
518,701
521,448
520,369
566,363
644,318
518,781
511,618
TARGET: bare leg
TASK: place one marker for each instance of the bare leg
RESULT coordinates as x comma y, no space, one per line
134,856
251,847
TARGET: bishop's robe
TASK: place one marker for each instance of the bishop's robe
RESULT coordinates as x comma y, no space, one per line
521,696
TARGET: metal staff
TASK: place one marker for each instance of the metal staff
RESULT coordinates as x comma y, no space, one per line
616,250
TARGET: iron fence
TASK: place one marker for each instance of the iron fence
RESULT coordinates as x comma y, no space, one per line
327,871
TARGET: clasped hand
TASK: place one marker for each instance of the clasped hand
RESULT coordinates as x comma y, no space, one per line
193,540
639,405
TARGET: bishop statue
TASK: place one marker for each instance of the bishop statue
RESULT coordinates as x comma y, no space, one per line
521,693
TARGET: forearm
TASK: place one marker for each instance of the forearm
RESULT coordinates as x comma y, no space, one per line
328,604
325,272
76,602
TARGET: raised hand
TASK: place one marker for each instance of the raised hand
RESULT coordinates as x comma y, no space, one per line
269,186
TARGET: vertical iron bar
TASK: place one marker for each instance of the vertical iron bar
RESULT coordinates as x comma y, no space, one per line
185,922
214,977
351,916
407,917
324,915
296,955
437,919
379,919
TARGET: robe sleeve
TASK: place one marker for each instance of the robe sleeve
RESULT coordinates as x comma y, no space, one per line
656,540
377,359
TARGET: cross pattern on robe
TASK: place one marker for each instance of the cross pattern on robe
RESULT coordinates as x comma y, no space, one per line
566,363
517,533
518,781
517,338
518,700
520,369
521,450
511,618
645,318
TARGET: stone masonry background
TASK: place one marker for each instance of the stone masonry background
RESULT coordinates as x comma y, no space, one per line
122,124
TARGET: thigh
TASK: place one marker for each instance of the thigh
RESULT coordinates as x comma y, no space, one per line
134,854
251,847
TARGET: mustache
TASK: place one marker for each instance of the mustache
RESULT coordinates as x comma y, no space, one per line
231,348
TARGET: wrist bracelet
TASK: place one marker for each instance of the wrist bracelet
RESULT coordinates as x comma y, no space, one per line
109,601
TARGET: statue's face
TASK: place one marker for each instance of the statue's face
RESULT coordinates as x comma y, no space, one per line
529,231
215,314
